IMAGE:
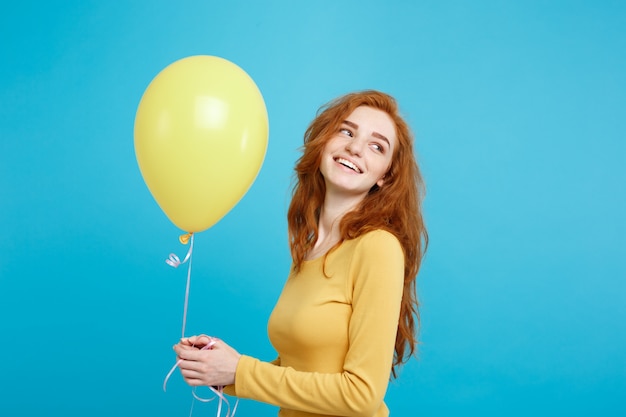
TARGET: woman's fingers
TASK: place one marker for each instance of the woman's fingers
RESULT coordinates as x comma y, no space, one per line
197,341
206,361
195,367
202,340
188,353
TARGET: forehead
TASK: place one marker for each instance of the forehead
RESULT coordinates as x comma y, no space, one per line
373,121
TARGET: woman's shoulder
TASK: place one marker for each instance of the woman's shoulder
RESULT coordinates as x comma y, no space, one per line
377,255
378,235
378,240
368,247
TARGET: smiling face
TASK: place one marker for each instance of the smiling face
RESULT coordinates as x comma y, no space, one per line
358,156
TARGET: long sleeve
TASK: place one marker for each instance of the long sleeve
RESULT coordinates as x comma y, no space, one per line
347,379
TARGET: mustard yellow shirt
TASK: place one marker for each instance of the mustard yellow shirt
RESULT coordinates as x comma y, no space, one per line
334,334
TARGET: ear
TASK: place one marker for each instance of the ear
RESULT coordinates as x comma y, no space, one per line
381,181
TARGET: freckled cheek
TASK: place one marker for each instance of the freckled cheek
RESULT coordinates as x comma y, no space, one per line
382,168
337,143
324,166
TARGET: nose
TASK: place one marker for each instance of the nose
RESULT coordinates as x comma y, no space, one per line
355,146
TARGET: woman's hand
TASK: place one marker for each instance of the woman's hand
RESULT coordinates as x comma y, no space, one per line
206,361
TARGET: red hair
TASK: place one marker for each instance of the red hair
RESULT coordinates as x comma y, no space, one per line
395,207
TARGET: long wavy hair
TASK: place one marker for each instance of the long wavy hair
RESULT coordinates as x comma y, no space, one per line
395,207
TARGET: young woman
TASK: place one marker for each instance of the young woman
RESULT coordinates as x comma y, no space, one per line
346,318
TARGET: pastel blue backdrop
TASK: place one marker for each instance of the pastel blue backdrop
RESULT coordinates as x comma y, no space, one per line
519,109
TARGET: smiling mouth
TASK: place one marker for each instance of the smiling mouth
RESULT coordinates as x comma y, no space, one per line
348,164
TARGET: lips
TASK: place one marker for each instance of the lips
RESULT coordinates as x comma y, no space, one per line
349,164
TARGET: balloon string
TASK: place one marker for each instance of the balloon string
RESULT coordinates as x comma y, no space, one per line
218,391
174,261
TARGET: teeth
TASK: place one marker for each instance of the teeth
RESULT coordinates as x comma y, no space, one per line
349,164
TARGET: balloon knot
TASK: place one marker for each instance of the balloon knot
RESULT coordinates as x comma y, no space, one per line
184,239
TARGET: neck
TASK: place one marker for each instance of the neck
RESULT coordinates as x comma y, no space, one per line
332,211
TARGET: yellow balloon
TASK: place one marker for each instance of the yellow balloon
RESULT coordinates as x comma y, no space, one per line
201,134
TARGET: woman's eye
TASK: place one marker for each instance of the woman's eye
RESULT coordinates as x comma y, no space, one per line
345,131
377,147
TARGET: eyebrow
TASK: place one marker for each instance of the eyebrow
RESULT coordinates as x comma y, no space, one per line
375,134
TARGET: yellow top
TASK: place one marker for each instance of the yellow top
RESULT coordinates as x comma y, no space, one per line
335,334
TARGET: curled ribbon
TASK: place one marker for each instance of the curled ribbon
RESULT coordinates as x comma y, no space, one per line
173,260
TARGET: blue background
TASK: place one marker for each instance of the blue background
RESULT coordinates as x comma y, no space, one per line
519,110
